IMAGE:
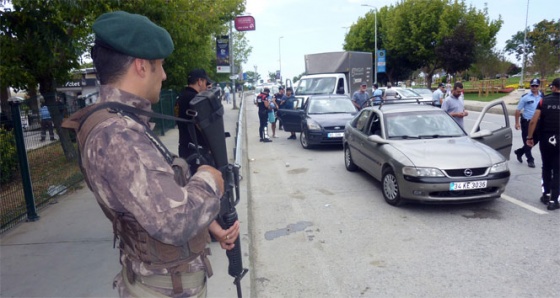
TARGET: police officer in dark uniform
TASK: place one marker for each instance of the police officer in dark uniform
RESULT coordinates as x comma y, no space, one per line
278,98
548,116
197,81
263,104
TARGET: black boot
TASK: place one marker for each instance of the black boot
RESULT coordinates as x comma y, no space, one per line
553,205
545,199
519,154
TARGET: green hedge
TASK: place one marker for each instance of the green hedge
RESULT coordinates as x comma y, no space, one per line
8,156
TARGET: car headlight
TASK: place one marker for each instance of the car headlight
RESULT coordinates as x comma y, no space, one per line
422,172
499,167
312,125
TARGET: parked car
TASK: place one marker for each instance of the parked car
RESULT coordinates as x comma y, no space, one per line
320,119
400,93
424,92
419,153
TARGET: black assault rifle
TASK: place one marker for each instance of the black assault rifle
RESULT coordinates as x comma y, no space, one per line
209,140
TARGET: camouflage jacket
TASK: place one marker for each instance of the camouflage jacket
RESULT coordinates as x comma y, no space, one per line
127,172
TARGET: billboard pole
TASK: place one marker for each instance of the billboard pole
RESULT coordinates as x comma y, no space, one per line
232,65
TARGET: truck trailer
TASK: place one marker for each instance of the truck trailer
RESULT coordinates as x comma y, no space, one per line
335,73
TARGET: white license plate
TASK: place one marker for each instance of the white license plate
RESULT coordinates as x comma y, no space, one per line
467,185
335,134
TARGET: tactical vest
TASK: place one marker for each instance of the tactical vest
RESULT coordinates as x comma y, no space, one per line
134,241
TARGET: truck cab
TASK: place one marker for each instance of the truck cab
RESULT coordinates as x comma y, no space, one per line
322,84
334,73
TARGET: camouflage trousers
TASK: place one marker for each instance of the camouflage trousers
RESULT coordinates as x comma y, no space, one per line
194,285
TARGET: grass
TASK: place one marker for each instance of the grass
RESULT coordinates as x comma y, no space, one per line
490,97
48,166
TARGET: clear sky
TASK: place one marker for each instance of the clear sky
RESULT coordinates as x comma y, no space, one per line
315,26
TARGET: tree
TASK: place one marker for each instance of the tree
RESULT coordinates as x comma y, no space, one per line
412,31
416,28
544,60
361,37
42,41
542,48
544,32
252,77
272,76
456,51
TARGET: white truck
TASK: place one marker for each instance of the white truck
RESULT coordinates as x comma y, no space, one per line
335,73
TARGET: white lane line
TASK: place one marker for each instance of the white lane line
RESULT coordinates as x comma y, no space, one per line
524,205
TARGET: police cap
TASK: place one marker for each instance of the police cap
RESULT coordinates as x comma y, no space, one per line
535,82
555,83
133,35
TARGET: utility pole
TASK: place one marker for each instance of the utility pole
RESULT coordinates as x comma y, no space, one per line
232,65
521,83
375,37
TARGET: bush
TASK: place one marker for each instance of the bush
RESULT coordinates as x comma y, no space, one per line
8,156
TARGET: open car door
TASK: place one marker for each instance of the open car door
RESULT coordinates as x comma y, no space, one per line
494,133
291,119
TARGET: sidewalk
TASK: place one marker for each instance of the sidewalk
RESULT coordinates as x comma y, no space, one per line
511,100
69,251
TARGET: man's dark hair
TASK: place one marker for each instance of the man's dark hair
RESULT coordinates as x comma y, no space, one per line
289,89
458,85
375,85
110,65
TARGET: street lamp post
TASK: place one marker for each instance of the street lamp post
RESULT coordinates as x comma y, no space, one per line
521,83
375,37
280,58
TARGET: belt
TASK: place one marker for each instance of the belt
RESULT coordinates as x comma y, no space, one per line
188,280
139,289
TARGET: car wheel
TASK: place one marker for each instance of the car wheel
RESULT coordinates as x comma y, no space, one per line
303,140
391,188
348,162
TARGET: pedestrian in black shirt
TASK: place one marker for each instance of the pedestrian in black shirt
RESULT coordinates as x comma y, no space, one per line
548,116
263,104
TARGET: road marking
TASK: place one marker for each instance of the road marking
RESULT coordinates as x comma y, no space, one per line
524,205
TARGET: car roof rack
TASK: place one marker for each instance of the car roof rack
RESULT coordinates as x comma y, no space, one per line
398,101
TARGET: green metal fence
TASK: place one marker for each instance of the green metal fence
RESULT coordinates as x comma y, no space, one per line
166,105
51,174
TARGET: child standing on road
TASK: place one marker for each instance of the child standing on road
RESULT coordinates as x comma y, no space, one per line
272,117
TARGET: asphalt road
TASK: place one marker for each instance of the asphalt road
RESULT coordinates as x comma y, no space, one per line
318,230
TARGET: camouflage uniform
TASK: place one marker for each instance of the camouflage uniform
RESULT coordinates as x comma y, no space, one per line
128,174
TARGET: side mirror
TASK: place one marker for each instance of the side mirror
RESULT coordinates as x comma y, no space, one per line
481,134
377,139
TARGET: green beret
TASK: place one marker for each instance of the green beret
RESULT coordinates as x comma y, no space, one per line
133,35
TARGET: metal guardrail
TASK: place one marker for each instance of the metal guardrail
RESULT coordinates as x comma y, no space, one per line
239,132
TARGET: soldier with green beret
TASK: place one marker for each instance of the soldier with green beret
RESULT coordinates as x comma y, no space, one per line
162,225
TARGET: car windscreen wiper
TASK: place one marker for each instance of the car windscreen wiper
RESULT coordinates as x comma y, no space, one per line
404,137
435,136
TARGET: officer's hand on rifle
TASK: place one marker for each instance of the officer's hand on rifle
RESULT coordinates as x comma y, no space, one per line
225,237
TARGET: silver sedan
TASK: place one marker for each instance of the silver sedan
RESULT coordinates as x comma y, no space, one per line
419,153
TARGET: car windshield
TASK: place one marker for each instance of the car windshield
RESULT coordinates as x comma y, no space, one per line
313,86
423,91
408,93
331,106
421,125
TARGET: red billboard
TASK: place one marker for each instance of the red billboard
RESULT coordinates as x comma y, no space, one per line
245,23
